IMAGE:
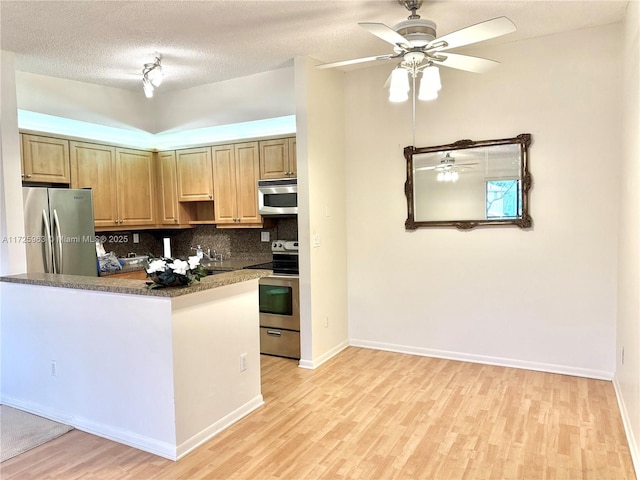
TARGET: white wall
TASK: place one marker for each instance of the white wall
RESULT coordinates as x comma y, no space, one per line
321,213
12,253
255,97
113,107
113,357
540,298
627,379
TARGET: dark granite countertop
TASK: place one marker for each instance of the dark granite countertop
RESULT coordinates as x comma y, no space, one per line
131,286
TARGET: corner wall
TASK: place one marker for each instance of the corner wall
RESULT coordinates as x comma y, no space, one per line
543,298
627,378
13,257
321,213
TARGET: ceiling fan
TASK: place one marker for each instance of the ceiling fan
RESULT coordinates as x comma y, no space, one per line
415,43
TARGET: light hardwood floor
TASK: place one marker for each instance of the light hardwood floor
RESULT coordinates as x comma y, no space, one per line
370,414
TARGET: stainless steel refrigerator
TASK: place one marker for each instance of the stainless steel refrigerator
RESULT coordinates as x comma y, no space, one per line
59,231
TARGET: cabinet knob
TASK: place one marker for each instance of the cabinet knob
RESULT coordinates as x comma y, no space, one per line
29,176
210,196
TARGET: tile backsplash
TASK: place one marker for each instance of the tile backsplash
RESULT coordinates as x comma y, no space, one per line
231,243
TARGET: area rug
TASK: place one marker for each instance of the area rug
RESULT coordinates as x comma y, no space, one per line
21,431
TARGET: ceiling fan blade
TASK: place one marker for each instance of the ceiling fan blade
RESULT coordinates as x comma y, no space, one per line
354,61
385,33
465,62
473,34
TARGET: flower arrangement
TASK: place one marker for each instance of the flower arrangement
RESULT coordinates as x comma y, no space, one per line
173,272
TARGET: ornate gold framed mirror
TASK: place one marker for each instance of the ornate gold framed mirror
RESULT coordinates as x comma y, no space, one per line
468,184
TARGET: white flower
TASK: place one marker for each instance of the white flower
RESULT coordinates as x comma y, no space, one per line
157,266
179,267
194,262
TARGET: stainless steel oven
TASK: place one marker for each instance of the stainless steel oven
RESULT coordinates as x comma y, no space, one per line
280,316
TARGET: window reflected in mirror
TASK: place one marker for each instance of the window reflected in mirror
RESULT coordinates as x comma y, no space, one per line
468,184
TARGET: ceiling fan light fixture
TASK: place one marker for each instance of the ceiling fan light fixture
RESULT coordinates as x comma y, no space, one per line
399,87
431,75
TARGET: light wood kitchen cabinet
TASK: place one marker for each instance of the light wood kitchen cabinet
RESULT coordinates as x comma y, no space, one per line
236,169
45,159
195,179
94,166
122,181
278,158
170,210
136,180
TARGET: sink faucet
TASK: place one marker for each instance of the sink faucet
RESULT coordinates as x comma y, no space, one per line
216,257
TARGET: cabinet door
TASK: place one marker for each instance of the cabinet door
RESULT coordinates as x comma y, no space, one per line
170,211
135,175
274,158
195,179
94,166
224,180
247,175
45,159
293,157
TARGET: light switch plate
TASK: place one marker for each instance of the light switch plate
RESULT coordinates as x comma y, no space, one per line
316,240
136,238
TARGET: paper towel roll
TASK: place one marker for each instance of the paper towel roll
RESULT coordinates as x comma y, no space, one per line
166,243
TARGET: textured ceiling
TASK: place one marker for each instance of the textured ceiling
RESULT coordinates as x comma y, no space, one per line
107,42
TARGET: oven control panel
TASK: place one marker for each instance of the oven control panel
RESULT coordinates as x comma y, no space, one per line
284,246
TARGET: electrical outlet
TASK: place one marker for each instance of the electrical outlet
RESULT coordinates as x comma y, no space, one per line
243,362
54,369
264,236
136,238
316,240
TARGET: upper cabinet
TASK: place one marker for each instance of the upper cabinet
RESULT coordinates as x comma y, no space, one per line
135,182
45,159
278,158
236,170
94,166
122,181
195,179
170,210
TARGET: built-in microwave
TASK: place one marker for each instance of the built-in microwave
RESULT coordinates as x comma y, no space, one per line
278,197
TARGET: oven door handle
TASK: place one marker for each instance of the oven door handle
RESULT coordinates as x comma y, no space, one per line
274,333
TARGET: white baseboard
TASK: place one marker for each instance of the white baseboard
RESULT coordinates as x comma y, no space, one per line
147,444
484,359
634,448
156,447
215,428
315,363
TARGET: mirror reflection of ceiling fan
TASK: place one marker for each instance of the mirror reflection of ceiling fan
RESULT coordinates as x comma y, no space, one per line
416,46
447,163
448,170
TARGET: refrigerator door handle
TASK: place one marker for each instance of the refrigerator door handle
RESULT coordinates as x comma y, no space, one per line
47,243
57,238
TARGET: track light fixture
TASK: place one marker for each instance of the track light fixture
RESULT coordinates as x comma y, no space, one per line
151,77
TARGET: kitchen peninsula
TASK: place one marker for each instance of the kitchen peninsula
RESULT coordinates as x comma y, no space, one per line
161,370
